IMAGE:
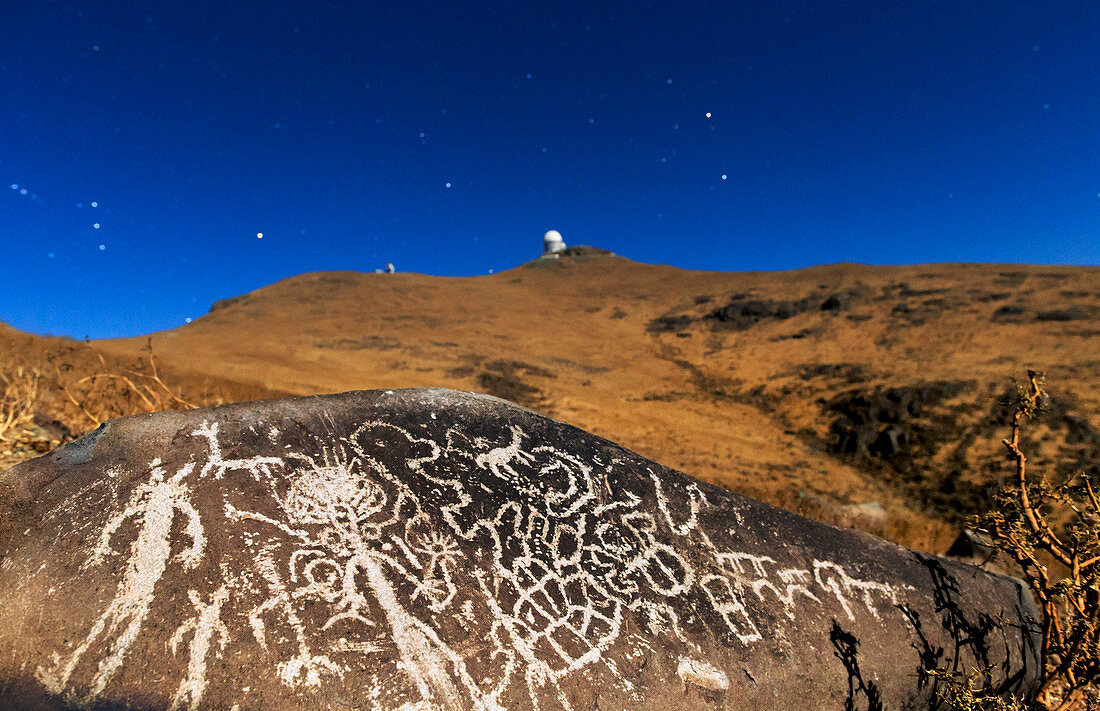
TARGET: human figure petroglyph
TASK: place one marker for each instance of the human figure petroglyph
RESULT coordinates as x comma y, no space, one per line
204,628
153,504
305,667
351,517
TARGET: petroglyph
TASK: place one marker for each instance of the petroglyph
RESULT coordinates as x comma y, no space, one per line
752,572
702,674
455,568
835,579
204,627
154,505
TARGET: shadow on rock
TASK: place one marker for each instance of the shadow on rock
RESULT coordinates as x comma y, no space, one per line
846,649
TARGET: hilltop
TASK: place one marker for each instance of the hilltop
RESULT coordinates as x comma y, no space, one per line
855,394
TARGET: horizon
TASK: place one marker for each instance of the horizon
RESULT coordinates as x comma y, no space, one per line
382,274
146,153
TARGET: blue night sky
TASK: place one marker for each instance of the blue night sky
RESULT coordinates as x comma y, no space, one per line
144,145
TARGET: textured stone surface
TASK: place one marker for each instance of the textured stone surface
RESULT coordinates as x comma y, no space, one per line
430,549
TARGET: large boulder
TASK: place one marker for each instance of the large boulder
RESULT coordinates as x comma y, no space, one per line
430,549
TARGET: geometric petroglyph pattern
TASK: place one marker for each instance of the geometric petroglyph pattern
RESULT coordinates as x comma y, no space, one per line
381,542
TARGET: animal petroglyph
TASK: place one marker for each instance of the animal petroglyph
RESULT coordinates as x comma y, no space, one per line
433,564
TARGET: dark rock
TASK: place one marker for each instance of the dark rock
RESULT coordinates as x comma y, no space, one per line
1009,313
1073,313
755,309
428,549
727,314
886,422
785,310
743,314
583,250
972,544
849,372
668,324
891,441
797,335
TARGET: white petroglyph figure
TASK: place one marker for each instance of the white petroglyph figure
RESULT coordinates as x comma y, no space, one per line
348,556
204,627
752,572
344,512
836,580
217,466
153,505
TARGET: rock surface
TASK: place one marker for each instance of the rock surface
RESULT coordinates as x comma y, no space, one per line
431,549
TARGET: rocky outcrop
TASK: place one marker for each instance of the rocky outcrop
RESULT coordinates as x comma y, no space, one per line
429,549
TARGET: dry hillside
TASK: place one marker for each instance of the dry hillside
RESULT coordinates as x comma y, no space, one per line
859,395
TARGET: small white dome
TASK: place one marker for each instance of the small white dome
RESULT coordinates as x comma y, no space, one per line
552,242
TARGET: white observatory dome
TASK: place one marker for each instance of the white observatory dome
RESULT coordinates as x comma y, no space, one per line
552,243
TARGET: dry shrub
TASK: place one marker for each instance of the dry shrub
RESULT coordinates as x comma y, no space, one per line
1052,532
111,392
17,399
54,390
970,692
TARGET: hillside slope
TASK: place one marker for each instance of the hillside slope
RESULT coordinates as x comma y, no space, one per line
855,394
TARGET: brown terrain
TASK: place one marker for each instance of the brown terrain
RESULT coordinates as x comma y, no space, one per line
863,396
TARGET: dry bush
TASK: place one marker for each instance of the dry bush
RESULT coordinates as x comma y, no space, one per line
1052,532
54,390
970,692
18,395
111,392
52,393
